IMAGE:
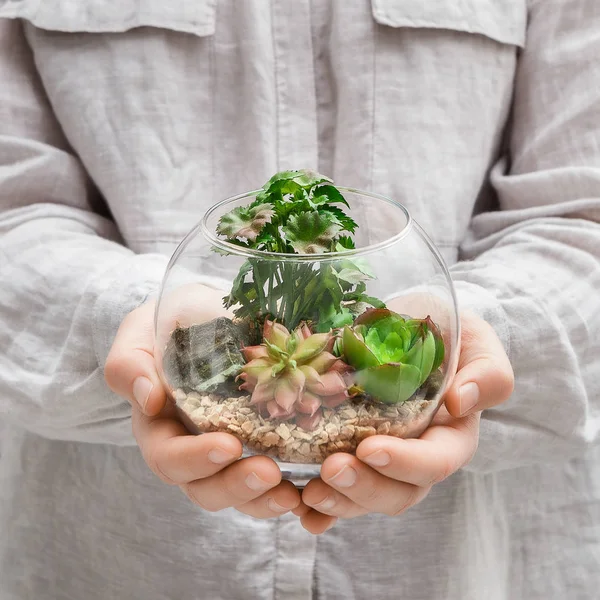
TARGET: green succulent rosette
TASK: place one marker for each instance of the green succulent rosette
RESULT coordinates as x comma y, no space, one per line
393,355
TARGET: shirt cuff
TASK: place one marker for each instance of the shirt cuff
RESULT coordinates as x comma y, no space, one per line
120,292
484,304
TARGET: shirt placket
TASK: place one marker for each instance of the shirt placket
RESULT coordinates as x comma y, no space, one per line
295,85
297,148
296,551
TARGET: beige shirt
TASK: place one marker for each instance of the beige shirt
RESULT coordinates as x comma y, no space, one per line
122,121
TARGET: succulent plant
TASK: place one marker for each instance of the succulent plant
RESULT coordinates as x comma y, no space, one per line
294,374
393,355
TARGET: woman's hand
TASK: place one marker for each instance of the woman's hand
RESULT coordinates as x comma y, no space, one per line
205,467
389,475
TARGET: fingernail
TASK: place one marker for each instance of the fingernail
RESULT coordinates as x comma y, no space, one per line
218,456
326,504
255,483
329,526
379,458
469,396
276,507
142,388
345,477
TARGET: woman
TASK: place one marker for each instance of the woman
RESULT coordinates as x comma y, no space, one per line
122,122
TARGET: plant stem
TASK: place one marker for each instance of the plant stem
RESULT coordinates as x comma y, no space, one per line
303,307
297,314
289,293
271,298
277,275
303,277
259,288
299,297
279,279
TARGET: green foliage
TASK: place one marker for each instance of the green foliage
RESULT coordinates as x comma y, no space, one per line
311,232
297,212
245,222
393,356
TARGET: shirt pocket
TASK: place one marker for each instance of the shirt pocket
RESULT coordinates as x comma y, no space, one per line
443,85
131,84
504,21
106,16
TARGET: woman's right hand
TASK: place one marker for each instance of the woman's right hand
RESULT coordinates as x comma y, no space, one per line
206,467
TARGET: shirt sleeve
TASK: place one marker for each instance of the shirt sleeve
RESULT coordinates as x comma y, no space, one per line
66,280
532,269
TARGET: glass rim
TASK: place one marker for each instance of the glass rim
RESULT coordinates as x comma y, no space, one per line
315,257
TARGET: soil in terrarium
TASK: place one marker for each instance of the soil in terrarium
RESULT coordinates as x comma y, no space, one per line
309,364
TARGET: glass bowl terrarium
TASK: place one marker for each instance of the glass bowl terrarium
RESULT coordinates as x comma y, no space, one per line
304,317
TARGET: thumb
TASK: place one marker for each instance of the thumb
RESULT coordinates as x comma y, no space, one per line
130,368
485,377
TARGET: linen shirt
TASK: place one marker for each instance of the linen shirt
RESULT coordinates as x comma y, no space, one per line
122,121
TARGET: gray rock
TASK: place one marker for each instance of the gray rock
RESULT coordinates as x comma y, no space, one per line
206,357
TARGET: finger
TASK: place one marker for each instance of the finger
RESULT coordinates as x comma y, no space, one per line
130,368
301,509
439,452
177,457
236,485
485,377
324,499
368,488
317,523
278,501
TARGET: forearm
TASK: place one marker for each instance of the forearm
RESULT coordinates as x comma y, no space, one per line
66,280
540,289
532,268
65,291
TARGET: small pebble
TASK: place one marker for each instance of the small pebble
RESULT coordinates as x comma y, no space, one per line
340,430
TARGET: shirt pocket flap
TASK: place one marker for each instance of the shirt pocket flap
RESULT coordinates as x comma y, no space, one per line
189,16
504,21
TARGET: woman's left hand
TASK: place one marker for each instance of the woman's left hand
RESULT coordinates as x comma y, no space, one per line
389,475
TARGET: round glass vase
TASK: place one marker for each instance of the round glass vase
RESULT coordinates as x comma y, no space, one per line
304,355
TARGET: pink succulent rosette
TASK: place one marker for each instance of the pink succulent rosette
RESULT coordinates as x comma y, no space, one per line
294,374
